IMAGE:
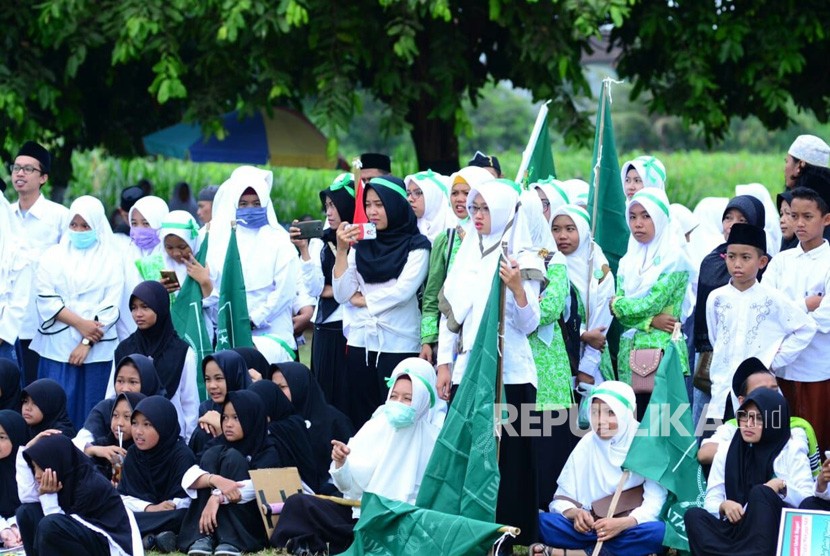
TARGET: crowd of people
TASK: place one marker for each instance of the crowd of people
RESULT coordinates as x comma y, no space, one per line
110,445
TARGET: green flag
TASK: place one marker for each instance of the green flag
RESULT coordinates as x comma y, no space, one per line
233,325
391,528
456,504
665,448
462,476
606,200
541,164
189,320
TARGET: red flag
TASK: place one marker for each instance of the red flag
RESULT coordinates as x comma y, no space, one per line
359,211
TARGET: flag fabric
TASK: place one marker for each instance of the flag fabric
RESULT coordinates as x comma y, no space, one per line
606,200
541,165
189,320
233,325
391,528
359,210
455,510
665,448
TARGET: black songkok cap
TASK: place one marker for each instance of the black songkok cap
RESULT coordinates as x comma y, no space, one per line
376,160
37,151
747,234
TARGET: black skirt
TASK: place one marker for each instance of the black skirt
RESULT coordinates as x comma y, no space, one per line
328,363
313,525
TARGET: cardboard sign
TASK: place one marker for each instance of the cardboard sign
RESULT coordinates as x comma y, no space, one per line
273,486
803,532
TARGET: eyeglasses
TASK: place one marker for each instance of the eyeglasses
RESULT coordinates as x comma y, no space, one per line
752,419
475,209
27,170
415,193
545,204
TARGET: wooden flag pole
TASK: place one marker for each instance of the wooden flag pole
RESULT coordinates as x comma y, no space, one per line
541,119
500,364
613,507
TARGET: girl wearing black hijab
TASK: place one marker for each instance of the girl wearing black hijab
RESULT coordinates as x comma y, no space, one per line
151,479
288,429
377,282
224,518
134,373
324,422
9,385
762,471
253,360
156,338
79,512
44,407
13,435
714,274
788,238
328,349
108,450
224,371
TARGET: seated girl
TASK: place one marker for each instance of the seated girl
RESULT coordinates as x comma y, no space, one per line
289,432
70,508
13,435
224,517
592,474
387,456
134,373
108,451
44,407
152,474
224,372
762,471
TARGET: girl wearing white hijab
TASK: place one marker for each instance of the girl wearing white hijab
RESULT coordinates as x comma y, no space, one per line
15,281
180,238
467,288
578,191
270,264
592,473
591,277
653,280
387,456
553,195
642,172
143,259
430,199
78,295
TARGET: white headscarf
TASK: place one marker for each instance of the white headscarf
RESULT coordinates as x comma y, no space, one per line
224,211
153,209
595,465
533,213
709,212
468,283
772,226
577,191
651,171
643,264
181,223
389,461
581,258
95,268
555,191
437,214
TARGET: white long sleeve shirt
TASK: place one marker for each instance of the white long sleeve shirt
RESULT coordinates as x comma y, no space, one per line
798,275
15,298
759,322
42,226
390,322
791,465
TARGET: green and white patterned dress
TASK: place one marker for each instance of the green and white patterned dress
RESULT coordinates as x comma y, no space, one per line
554,389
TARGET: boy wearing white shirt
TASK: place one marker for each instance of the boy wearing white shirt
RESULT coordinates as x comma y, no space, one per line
803,275
42,223
749,319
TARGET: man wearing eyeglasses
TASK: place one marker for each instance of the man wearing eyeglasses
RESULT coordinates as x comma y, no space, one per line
42,223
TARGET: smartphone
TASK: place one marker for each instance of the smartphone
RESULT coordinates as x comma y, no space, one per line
309,229
827,454
368,230
170,277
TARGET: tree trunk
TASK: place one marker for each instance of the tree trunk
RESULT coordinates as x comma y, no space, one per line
436,143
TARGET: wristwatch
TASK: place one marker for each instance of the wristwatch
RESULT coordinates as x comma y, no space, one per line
86,342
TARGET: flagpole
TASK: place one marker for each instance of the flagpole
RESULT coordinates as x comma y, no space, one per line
613,507
541,119
500,364
597,170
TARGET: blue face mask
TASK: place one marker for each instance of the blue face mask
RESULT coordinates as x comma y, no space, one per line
252,217
399,415
83,240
